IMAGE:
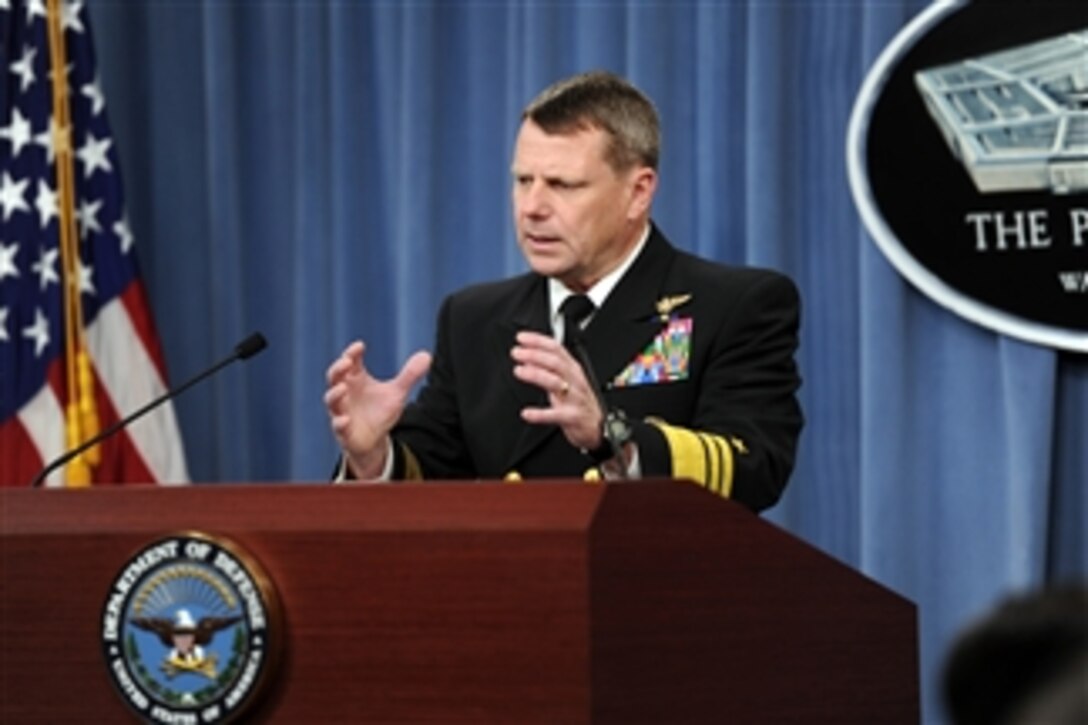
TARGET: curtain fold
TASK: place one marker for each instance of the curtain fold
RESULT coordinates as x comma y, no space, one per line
323,171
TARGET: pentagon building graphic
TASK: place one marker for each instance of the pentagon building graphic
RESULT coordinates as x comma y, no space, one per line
1018,119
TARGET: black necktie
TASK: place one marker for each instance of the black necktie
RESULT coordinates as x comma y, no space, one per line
575,309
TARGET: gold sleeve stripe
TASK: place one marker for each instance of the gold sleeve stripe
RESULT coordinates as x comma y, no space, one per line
714,483
703,457
713,464
687,452
725,451
412,470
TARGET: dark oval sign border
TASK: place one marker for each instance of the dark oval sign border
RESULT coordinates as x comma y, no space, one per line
921,277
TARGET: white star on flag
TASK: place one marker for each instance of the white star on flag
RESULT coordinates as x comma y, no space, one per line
45,202
11,195
17,132
7,260
24,68
86,279
38,332
93,155
4,325
121,229
35,8
46,267
88,217
93,91
69,14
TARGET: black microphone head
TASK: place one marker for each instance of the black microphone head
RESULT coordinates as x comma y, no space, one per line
250,346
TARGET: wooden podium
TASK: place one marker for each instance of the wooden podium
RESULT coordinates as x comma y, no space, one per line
551,602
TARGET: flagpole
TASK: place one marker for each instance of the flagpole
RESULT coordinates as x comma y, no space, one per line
81,416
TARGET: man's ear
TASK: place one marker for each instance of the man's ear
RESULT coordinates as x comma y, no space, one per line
643,185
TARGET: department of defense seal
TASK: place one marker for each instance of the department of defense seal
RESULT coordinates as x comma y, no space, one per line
188,630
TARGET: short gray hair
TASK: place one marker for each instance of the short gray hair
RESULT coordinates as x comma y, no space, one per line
603,100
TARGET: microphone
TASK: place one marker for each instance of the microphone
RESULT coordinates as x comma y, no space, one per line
244,350
612,418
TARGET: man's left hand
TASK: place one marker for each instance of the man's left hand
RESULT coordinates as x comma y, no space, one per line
542,361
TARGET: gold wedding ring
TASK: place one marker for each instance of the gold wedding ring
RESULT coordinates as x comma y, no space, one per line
563,389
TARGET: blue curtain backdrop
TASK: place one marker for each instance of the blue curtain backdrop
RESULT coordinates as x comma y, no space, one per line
322,171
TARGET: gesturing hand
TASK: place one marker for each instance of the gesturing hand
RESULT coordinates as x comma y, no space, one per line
542,361
362,409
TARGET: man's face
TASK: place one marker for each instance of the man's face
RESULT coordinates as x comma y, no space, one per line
576,217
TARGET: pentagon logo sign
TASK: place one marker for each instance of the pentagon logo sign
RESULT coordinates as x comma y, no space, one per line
968,161
188,630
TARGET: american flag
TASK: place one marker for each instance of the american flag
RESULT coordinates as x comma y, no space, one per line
78,350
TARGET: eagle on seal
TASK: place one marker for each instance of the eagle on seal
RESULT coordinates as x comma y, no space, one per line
185,638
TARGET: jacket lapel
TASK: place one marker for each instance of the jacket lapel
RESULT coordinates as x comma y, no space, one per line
530,314
628,320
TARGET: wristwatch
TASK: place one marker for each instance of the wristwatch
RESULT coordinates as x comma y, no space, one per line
616,430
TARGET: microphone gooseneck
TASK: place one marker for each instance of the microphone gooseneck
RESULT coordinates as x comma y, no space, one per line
245,349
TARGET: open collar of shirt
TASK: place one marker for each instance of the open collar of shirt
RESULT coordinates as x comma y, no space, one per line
598,293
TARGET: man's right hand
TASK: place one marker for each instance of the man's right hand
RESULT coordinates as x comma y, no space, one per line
363,409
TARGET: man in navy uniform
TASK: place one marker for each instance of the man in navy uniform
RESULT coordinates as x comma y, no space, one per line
695,360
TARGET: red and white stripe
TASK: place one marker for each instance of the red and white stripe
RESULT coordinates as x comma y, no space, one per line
129,373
